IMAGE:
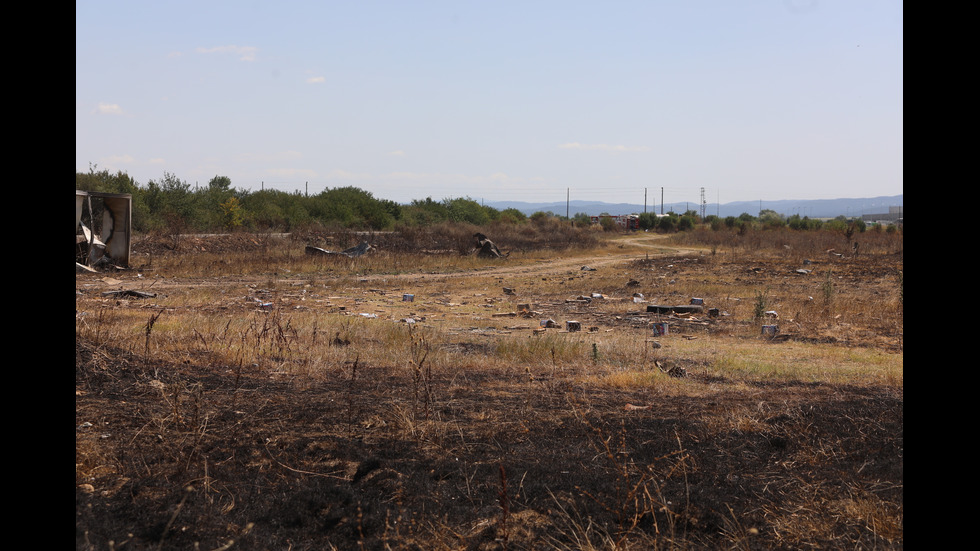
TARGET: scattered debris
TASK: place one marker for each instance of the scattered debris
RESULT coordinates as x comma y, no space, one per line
588,269
408,298
631,407
550,323
675,371
529,313
660,328
682,309
352,252
573,326
632,283
359,250
486,248
508,291
129,293
803,271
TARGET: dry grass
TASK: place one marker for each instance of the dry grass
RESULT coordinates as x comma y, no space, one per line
299,408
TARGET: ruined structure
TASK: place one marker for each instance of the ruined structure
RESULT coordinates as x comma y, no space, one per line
112,213
486,248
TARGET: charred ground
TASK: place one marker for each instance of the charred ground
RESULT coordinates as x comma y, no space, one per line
376,455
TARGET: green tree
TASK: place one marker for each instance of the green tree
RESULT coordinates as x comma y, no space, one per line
272,209
771,218
669,222
469,211
232,215
170,203
512,216
211,200
353,207
425,212
582,220
687,222
648,221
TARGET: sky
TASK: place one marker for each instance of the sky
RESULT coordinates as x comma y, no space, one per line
535,101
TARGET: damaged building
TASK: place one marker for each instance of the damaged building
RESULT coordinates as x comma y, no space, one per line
103,229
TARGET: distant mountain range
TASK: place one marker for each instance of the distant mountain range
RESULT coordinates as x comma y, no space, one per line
813,208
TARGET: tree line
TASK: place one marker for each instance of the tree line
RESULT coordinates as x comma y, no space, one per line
173,205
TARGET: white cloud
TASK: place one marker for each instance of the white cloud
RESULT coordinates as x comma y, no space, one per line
604,147
245,53
397,153
316,80
156,161
109,109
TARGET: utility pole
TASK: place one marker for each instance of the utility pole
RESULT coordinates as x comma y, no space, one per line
661,200
567,196
704,204
644,200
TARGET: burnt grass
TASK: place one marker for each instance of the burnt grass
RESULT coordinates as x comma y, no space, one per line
194,456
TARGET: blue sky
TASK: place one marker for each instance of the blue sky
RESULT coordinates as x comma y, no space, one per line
524,101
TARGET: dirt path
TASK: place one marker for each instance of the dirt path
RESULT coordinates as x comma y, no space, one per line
649,244
623,249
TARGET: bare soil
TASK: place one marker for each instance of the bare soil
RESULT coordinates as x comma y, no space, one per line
190,455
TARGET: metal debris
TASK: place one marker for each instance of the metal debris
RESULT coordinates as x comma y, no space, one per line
352,252
111,247
129,293
486,247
